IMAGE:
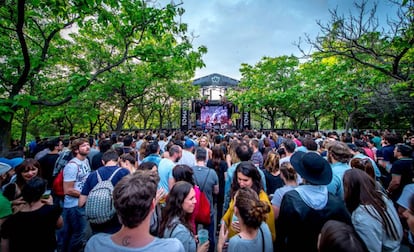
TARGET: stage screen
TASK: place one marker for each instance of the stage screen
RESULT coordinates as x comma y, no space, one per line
214,114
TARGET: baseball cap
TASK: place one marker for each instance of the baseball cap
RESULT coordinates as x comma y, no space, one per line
4,168
188,143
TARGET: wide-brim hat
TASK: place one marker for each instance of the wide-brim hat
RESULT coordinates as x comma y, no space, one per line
312,167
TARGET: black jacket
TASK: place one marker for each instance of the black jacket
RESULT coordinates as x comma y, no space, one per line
298,225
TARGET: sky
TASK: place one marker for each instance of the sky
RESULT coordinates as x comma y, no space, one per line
244,31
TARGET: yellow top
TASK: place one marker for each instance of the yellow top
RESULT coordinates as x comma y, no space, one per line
228,216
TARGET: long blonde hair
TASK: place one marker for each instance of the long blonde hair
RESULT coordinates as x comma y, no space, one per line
271,164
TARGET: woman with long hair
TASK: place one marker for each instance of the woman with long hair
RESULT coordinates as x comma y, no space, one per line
272,173
246,175
26,171
365,165
204,142
218,163
254,233
142,152
373,215
176,217
231,156
186,173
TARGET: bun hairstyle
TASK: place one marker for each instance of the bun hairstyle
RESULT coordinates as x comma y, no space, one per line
251,210
288,172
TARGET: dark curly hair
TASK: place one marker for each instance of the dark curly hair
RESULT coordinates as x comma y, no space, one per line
250,208
247,168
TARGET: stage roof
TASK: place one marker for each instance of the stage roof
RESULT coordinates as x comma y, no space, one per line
216,80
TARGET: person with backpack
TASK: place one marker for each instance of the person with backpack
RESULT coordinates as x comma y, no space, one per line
64,157
207,180
96,195
134,199
75,173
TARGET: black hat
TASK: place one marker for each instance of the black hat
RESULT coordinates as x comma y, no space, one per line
312,167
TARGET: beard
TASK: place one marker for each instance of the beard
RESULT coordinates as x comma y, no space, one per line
84,153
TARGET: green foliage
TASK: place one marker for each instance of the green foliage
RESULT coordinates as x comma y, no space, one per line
102,64
83,56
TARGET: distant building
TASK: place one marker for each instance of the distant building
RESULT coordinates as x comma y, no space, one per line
212,110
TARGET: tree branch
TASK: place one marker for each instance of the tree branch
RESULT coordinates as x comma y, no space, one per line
19,29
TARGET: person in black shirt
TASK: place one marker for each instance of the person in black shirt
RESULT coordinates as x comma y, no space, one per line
33,227
47,162
401,171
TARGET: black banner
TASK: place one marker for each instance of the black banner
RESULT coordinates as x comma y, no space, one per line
246,120
185,116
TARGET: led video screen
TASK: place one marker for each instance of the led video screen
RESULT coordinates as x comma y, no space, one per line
214,115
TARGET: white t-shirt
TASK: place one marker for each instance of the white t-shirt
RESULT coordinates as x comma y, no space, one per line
78,171
187,158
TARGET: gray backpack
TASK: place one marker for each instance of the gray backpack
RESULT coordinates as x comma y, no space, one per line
99,206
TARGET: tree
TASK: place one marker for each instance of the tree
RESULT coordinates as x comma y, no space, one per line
40,67
269,87
384,55
334,86
359,37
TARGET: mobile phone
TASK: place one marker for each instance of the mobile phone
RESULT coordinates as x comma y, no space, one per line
46,194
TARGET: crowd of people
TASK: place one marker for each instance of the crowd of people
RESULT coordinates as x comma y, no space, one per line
266,191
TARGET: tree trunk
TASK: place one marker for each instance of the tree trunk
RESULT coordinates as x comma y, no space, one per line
5,135
316,123
145,123
412,123
272,123
161,119
62,132
295,123
71,130
25,124
334,122
121,118
349,121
